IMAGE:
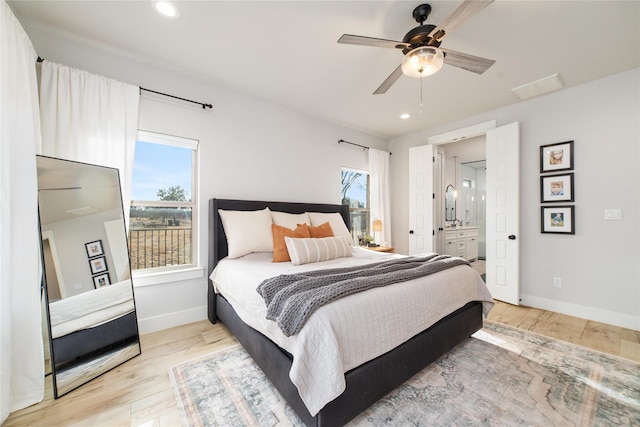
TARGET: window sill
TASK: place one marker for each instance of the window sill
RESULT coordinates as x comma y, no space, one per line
161,277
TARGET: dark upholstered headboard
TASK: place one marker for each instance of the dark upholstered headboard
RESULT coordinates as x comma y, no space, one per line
218,240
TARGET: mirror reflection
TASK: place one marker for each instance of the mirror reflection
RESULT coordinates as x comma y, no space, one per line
450,203
92,322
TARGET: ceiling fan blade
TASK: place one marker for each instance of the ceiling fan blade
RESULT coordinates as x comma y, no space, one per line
466,10
371,41
384,87
467,62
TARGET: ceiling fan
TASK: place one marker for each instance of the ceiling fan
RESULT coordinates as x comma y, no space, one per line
421,45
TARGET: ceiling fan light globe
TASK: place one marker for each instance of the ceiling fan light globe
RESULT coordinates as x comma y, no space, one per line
423,61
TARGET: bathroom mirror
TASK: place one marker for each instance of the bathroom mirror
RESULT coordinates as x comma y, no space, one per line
450,203
89,301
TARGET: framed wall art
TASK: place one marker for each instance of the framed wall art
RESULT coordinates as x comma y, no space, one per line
556,157
101,280
558,219
98,265
94,248
556,188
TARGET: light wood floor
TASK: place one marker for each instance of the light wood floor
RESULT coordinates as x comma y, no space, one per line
139,393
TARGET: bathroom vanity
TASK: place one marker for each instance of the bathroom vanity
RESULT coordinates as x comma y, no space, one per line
462,241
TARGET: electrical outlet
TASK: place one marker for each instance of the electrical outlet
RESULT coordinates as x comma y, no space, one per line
557,282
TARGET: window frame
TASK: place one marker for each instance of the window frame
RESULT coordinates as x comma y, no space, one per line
193,204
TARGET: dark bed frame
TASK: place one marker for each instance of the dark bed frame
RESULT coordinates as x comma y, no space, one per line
365,384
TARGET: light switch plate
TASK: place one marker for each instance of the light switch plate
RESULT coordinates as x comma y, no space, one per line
613,214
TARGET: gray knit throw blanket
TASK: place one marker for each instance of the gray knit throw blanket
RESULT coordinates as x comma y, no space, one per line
292,298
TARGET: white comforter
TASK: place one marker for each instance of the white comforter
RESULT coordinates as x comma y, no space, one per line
91,308
352,330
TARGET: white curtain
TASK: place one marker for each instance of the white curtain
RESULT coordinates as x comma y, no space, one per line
91,119
21,349
379,193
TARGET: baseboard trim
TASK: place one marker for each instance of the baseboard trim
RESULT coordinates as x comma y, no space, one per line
170,320
604,316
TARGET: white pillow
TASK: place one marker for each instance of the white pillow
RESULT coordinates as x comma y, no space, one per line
305,251
247,231
335,221
289,220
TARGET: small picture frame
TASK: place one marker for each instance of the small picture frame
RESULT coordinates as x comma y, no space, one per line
101,280
556,188
557,219
556,157
98,265
94,248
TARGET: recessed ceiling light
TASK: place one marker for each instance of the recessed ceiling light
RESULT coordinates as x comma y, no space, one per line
405,116
165,8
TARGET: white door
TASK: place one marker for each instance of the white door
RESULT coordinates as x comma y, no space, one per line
421,199
503,178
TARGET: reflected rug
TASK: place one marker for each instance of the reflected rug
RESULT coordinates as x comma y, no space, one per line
502,376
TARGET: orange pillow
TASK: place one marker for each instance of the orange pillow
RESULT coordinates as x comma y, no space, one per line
280,252
322,230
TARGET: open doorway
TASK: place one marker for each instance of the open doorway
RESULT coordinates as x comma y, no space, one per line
462,169
502,154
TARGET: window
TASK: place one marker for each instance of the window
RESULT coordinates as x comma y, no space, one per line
355,193
162,222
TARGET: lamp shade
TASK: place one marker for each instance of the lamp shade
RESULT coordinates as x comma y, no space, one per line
376,226
423,61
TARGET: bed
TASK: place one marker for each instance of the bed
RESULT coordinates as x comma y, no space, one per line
85,323
367,381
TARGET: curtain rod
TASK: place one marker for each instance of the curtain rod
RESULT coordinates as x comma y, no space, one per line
204,106
357,145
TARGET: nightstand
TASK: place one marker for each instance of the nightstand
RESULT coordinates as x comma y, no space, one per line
379,248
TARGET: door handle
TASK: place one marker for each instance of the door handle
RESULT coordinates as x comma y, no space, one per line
410,231
512,237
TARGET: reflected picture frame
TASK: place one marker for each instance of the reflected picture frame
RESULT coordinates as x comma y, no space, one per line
98,265
556,157
556,188
557,219
101,280
94,248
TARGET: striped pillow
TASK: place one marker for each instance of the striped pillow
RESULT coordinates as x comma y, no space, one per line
305,251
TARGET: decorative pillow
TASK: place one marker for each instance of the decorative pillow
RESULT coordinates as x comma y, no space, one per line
322,230
305,251
247,231
289,220
335,220
280,252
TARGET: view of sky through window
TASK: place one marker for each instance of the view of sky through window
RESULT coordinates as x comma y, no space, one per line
159,166
358,189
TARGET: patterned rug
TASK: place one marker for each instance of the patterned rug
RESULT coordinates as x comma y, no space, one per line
501,377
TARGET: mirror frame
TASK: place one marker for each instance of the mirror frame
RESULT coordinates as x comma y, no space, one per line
450,198
82,355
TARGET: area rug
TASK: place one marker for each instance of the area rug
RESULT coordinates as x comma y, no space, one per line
502,376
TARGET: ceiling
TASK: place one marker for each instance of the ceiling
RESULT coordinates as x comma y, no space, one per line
68,190
286,52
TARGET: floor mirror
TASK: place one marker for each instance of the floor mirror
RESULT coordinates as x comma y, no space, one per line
87,289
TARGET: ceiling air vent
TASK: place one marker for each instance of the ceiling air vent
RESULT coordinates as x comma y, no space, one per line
539,87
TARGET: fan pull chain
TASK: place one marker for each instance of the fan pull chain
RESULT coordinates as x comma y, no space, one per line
421,94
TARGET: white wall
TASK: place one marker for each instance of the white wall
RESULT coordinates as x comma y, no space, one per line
249,149
70,237
599,265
